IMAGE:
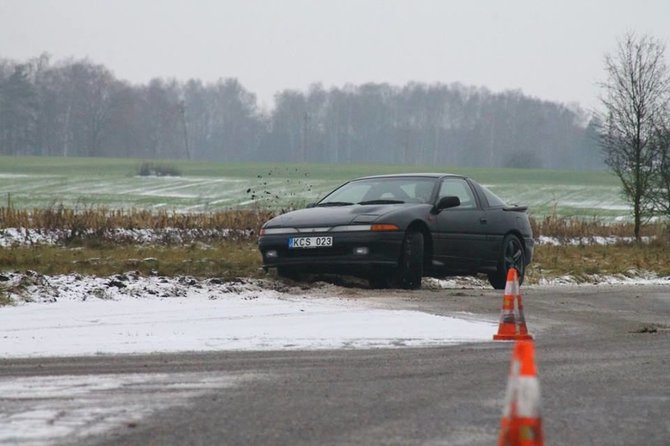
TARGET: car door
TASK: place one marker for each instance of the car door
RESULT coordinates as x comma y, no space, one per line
497,223
460,236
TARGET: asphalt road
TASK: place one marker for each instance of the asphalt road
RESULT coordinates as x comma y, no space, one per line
603,355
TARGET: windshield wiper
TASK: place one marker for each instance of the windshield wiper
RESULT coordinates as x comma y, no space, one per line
382,202
334,203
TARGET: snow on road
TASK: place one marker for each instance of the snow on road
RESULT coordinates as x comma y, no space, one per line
74,315
45,410
131,314
77,315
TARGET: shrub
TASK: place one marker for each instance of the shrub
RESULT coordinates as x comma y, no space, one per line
148,168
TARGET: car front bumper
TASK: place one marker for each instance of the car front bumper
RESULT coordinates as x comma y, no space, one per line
345,256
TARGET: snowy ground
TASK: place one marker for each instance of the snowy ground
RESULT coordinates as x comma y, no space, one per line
72,315
75,315
58,409
131,314
583,241
27,237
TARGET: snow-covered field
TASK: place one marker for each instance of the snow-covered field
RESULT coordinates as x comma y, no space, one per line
184,194
586,201
201,194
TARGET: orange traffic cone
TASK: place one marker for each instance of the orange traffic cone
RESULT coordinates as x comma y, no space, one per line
521,424
512,323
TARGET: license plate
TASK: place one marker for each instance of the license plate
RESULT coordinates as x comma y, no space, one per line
310,242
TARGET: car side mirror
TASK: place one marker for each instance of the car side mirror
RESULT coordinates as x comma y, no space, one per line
448,202
310,205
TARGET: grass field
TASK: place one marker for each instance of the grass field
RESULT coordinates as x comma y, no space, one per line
85,198
39,182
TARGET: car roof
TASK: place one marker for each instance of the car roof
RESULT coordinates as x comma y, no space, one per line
408,175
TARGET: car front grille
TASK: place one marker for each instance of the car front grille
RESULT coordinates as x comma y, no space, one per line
315,252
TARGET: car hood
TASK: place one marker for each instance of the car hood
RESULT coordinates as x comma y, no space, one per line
335,215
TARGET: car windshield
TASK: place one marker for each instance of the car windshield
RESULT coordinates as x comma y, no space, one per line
383,191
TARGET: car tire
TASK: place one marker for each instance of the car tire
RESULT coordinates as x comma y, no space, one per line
410,268
512,255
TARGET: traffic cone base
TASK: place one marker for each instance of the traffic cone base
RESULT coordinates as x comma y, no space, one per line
512,325
513,337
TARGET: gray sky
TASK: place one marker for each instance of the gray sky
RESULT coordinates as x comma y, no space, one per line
551,49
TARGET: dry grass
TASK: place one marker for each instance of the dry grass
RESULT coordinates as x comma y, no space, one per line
239,256
98,219
4,297
231,259
101,220
588,260
227,260
584,260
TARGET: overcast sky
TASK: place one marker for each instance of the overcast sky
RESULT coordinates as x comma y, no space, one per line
551,49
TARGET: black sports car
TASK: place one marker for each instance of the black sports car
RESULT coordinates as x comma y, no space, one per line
395,229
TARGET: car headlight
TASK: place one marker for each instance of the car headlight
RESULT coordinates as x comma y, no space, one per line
273,231
351,228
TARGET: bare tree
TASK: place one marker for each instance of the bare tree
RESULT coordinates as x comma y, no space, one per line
636,96
18,111
660,195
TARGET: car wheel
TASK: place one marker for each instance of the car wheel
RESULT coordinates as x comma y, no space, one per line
512,255
411,261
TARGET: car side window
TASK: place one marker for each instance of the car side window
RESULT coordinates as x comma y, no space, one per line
458,187
494,200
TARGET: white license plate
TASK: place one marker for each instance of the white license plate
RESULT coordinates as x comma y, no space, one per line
310,242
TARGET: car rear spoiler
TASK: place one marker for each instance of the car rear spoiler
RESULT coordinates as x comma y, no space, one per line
515,208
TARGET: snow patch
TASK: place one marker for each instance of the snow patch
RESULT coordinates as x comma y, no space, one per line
27,237
48,409
469,282
127,314
632,277
585,241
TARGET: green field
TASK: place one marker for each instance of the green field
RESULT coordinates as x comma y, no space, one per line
38,182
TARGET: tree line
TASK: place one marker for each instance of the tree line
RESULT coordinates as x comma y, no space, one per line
75,107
